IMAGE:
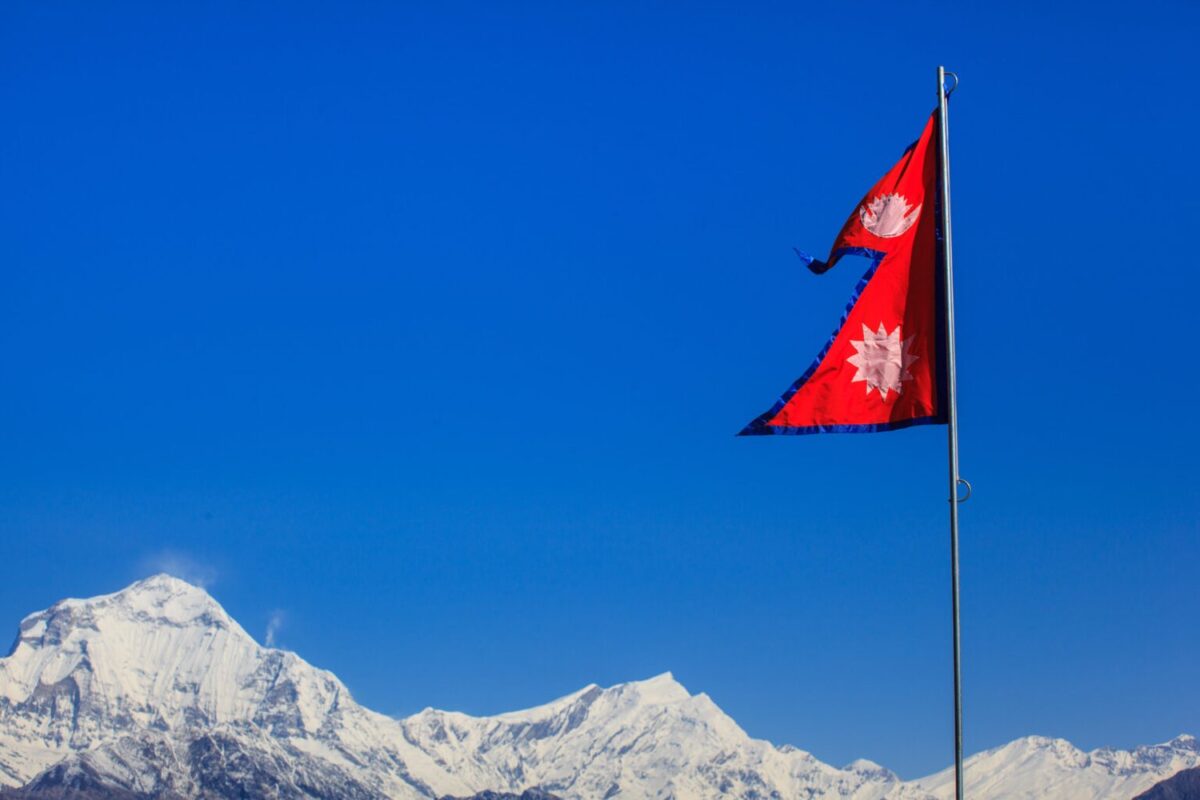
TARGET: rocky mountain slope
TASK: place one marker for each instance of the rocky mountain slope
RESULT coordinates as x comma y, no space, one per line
155,692
1183,785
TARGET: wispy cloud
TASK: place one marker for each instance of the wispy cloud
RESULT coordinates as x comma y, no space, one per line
274,625
181,565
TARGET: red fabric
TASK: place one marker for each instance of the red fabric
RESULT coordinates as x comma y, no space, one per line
892,384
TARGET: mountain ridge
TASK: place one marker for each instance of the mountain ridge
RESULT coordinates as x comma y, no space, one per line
156,691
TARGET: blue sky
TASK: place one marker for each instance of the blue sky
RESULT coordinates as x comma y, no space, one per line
426,331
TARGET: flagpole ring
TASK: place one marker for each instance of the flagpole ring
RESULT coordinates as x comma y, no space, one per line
966,483
954,86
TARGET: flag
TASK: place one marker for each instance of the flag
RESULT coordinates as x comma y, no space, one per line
884,366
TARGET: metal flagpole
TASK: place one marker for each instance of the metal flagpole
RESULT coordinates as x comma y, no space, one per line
952,412
943,162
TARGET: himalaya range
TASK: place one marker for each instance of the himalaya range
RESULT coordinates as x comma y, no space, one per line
155,692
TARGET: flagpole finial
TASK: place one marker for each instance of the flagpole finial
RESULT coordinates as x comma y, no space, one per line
953,86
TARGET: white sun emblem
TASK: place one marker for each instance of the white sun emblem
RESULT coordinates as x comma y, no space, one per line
882,360
888,215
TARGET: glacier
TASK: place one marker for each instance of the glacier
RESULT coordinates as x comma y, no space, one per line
156,692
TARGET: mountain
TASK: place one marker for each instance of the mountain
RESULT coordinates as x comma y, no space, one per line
645,739
155,692
1038,767
152,685
1183,785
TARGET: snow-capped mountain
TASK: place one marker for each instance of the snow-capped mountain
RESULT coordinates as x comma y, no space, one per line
645,739
1038,767
155,692
128,684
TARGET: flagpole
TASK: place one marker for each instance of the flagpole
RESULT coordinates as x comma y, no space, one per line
951,412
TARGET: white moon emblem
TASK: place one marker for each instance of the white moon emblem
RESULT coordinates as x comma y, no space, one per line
888,215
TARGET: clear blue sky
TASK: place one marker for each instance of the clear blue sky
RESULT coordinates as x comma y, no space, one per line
428,330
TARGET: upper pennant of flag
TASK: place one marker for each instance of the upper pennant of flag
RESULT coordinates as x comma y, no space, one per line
888,215
882,360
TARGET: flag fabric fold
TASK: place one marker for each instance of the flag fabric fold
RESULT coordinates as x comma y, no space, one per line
884,366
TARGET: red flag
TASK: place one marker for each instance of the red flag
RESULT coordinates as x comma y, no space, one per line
883,368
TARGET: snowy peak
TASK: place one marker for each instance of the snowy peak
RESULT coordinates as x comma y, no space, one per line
158,601
648,738
659,690
167,599
1183,743
160,653
591,704
1033,764
869,769
129,643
